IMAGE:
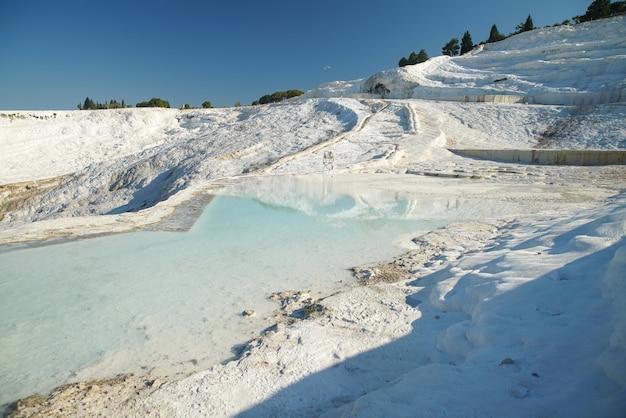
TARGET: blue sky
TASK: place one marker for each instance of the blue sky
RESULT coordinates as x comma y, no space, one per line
55,53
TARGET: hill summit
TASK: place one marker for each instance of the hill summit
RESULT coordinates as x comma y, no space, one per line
577,65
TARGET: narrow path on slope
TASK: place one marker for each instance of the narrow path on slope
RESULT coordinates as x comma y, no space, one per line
424,124
381,139
427,149
325,144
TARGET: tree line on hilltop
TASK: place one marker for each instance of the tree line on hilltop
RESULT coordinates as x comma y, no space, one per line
275,97
598,9
90,104
454,47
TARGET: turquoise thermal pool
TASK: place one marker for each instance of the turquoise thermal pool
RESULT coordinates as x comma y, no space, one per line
172,301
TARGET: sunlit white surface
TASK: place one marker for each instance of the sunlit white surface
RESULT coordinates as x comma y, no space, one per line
126,303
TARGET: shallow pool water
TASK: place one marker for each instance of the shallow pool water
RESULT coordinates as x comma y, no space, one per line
173,300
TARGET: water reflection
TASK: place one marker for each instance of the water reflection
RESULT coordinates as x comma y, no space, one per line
322,196
97,307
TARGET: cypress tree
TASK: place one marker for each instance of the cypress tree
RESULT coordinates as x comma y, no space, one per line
89,104
466,43
528,25
495,35
414,58
422,56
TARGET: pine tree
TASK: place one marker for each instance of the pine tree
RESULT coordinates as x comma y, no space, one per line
451,48
596,10
422,56
89,104
413,59
618,7
495,35
528,25
466,43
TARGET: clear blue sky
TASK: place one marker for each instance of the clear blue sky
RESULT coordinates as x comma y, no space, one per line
55,53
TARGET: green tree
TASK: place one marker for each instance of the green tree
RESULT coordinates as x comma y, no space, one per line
618,7
278,96
596,10
207,105
466,43
89,104
526,26
112,104
422,56
451,48
154,102
413,58
495,35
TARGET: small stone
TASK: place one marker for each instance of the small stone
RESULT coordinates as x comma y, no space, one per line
248,312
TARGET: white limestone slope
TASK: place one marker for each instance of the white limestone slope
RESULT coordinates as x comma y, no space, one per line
516,316
575,65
